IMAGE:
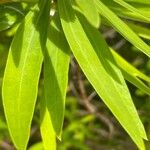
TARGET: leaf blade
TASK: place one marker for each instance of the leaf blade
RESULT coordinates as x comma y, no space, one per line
56,65
122,28
20,84
131,74
96,71
133,9
46,127
129,68
89,10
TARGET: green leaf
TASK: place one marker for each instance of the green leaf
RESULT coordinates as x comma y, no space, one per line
56,64
136,81
20,84
99,67
132,9
122,28
126,13
47,132
9,14
131,74
140,30
37,146
46,127
89,10
139,1
122,63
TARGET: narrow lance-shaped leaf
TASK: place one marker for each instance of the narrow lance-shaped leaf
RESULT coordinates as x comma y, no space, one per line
126,13
131,74
136,81
101,70
122,28
129,68
36,146
140,30
88,8
132,9
56,64
46,127
139,1
20,84
110,66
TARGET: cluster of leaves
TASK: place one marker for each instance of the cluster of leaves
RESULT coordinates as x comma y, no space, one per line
47,35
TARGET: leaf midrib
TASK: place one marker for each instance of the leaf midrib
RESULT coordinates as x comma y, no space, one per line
84,55
21,80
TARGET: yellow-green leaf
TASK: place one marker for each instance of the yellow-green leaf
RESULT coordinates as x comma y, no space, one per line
122,28
56,65
20,84
98,65
89,10
46,127
133,9
131,74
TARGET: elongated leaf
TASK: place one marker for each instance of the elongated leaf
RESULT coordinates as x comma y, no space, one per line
126,13
99,67
141,31
56,66
139,1
46,127
110,66
135,81
131,74
21,77
37,146
129,68
89,10
122,28
132,9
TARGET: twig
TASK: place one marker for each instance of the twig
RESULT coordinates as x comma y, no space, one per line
6,146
